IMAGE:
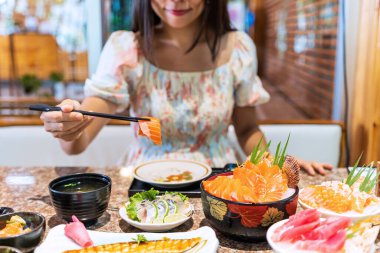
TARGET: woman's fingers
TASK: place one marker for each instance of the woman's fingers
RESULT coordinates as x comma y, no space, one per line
313,167
67,106
59,117
319,168
307,167
64,126
327,166
73,133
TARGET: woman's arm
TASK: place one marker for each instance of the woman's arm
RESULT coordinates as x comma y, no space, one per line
246,128
74,130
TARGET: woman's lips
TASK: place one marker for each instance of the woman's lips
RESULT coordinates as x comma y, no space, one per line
178,12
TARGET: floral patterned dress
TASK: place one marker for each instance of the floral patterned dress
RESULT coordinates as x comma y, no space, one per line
195,108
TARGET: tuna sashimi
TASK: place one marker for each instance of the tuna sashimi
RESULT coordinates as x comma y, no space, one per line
298,232
306,231
333,244
298,220
328,228
77,232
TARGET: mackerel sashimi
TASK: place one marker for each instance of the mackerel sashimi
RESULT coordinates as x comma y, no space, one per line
147,207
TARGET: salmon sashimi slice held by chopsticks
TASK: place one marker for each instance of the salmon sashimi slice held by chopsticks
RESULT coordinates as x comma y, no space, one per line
160,246
151,129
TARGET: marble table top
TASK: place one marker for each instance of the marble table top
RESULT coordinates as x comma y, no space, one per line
26,189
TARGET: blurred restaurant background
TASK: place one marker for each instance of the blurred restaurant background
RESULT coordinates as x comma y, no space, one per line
319,59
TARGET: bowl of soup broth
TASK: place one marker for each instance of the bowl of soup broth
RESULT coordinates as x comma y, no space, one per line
85,195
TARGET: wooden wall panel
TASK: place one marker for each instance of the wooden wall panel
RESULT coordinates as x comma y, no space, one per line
299,52
4,58
39,54
365,119
35,54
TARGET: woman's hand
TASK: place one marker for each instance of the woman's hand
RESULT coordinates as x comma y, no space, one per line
312,167
66,125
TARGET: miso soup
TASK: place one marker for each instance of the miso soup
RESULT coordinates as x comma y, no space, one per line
80,185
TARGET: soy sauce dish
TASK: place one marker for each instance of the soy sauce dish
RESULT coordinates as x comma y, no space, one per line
85,195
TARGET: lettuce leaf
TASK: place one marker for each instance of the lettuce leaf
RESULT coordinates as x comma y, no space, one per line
137,199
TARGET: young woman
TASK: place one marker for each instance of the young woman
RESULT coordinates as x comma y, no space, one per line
183,64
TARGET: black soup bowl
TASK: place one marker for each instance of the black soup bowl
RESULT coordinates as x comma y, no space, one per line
29,241
85,195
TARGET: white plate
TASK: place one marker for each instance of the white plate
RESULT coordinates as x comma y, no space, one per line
152,227
354,216
155,172
56,241
287,247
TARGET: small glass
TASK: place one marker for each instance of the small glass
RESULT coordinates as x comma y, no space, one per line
7,249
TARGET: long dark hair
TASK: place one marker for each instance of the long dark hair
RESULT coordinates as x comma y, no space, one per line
214,18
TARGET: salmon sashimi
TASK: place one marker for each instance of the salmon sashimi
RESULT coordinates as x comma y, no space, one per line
151,129
230,189
336,196
250,183
160,246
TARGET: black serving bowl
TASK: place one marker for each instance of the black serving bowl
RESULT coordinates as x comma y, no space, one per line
29,241
6,210
7,249
245,221
85,195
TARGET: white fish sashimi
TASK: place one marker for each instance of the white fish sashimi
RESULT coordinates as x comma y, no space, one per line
172,206
151,209
185,208
166,205
142,211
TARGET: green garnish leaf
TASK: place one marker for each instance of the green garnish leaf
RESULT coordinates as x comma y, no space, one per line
140,239
257,153
278,150
349,236
280,156
255,150
350,179
283,155
368,182
136,199
371,185
356,176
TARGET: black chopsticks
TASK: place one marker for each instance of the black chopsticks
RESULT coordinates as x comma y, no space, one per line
48,108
